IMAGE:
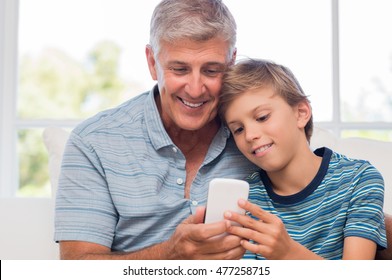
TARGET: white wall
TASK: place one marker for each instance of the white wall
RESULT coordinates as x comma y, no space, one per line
26,229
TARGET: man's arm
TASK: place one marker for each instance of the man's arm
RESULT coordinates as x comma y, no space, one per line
191,240
387,253
79,250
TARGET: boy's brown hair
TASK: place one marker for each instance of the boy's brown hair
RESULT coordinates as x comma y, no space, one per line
253,74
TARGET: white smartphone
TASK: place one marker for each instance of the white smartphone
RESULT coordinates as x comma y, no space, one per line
223,195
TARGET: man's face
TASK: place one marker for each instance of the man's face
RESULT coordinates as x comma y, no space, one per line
189,76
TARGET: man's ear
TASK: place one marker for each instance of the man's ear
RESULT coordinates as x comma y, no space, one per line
151,62
304,113
233,57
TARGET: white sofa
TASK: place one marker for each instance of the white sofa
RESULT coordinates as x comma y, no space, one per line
27,224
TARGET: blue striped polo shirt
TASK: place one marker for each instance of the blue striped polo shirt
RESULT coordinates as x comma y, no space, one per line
344,199
122,179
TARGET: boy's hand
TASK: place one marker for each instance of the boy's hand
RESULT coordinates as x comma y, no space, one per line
269,234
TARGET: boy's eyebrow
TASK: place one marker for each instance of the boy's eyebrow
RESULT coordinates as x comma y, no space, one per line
260,107
232,122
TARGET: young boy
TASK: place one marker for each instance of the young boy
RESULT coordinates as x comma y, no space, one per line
303,204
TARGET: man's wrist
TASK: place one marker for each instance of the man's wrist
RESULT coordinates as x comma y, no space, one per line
167,251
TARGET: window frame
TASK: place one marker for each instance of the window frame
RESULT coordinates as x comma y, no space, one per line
8,82
10,124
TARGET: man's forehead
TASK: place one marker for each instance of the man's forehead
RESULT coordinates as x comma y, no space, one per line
216,48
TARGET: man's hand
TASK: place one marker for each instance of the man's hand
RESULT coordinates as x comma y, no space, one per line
195,240
192,240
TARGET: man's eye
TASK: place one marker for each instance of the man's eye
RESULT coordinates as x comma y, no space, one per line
178,70
213,72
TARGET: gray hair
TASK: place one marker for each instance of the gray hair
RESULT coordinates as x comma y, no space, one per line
198,20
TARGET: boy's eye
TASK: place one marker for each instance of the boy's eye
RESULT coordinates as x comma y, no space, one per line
263,118
237,130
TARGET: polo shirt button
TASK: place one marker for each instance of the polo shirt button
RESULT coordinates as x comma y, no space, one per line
174,149
194,203
180,181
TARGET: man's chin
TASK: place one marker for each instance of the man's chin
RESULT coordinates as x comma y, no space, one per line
193,124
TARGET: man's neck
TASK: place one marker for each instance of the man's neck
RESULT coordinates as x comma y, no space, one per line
194,145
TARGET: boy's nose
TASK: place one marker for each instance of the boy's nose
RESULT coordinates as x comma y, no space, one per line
252,133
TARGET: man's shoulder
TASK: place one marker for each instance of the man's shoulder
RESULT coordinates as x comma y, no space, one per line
129,112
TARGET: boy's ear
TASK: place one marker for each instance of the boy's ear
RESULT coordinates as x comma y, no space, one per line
304,113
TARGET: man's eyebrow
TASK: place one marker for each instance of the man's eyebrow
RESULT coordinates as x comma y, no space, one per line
177,62
215,63
211,63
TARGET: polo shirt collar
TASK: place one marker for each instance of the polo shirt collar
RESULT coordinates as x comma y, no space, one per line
155,129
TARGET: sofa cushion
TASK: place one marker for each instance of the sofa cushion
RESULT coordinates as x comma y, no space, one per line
55,139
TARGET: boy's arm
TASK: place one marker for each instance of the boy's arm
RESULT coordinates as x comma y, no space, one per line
358,248
387,253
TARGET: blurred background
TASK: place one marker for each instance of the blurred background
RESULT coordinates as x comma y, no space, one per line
63,61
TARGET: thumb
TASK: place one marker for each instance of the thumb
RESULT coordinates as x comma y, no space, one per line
199,215
196,218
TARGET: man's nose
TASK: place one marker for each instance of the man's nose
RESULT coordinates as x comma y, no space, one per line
195,85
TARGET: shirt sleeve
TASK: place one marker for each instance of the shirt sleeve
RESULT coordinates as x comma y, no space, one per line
365,217
84,208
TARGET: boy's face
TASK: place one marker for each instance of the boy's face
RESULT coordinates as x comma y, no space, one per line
266,129
189,76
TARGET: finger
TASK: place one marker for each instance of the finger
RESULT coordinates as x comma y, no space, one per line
248,233
253,230
202,232
255,248
245,221
232,254
226,247
256,211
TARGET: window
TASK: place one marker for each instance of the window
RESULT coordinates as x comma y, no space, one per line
296,34
366,68
63,61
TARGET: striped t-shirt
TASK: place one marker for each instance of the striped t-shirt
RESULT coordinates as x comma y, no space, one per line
344,199
122,179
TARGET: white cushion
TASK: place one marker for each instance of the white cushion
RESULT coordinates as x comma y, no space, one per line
55,139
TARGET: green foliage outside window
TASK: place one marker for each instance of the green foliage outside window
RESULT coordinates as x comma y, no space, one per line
53,85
